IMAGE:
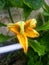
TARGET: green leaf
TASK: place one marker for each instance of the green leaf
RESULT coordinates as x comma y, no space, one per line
1,24
40,49
45,7
34,4
2,3
45,13
44,27
17,3
27,11
4,37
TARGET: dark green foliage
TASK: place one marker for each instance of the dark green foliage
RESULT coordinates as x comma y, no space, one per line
2,4
44,39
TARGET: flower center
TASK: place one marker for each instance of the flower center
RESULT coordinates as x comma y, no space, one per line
21,24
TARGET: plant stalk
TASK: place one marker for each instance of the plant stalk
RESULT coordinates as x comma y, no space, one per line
10,15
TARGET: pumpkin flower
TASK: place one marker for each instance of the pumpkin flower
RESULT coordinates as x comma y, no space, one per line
23,30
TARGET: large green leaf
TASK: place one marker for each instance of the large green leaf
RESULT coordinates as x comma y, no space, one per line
44,27
17,3
34,4
7,4
27,11
40,49
4,37
1,24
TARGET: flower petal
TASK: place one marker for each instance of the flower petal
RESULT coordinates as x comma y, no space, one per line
31,23
31,33
23,41
13,27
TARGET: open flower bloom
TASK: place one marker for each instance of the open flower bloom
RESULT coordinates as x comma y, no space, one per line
24,30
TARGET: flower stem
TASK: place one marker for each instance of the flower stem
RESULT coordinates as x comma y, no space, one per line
10,15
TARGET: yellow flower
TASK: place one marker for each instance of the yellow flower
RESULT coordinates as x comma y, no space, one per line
24,30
